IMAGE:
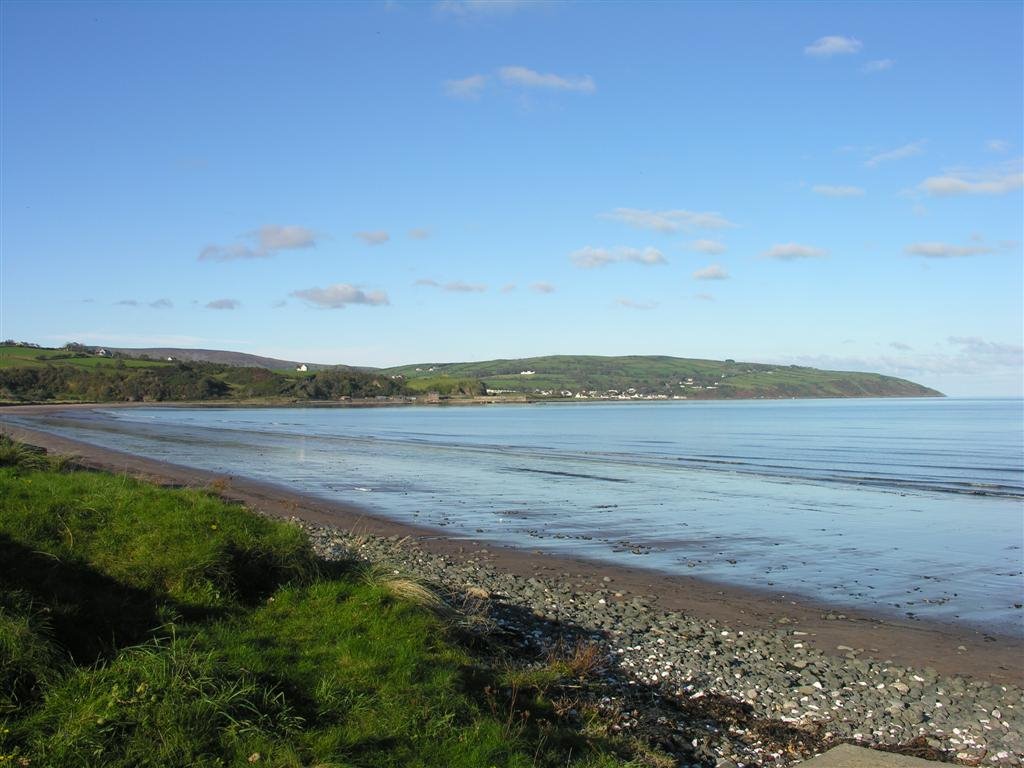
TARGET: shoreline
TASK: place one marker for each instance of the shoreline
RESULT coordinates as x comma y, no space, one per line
946,648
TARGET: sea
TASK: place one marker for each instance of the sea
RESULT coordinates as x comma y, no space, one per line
905,507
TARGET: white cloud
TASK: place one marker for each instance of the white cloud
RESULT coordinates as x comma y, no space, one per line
542,287
268,240
703,297
970,183
669,221
158,304
709,247
997,145
945,250
630,304
989,353
340,295
230,252
900,346
589,257
792,251
879,65
828,190
832,45
419,233
456,286
528,78
224,304
467,88
277,238
899,153
711,272
378,237
468,8
508,287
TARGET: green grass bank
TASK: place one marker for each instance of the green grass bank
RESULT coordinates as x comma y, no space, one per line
146,626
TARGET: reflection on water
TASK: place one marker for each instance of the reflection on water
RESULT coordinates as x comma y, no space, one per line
907,506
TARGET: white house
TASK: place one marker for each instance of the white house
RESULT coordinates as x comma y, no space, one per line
302,368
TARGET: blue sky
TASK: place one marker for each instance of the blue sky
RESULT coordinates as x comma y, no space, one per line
828,184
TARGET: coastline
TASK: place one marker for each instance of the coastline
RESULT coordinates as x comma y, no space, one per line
948,649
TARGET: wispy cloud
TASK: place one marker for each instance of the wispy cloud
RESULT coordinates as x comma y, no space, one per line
945,250
899,153
273,238
793,251
829,190
711,272
340,295
466,88
456,286
469,8
158,304
508,287
224,304
703,297
630,304
542,287
900,346
833,45
997,145
419,233
709,247
589,256
964,355
879,65
669,221
263,243
967,182
528,78
989,353
378,237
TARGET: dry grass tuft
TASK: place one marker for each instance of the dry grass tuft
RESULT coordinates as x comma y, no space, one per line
582,660
407,588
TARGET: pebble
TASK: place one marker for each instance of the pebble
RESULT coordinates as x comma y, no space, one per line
665,657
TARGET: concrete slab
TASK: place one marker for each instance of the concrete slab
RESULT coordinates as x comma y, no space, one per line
849,756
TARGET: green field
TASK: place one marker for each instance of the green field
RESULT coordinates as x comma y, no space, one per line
657,375
33,357
142,626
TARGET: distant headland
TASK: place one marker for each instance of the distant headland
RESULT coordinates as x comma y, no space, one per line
80,373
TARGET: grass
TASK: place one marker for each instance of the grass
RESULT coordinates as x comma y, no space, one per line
144,626
32,357
661,375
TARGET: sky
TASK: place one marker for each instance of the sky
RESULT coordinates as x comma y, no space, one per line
827,184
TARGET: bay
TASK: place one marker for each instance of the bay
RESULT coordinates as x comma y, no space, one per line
903,507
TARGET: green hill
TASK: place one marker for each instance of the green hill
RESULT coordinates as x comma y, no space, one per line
82,374
653,376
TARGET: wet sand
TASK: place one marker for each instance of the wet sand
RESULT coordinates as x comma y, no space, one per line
949,649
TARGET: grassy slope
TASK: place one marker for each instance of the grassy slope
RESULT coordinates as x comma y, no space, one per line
30,357
656,374
648,374
150,627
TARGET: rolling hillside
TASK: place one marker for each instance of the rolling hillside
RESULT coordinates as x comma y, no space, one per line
668,376
558,376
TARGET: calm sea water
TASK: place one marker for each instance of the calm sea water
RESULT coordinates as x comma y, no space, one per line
911,507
